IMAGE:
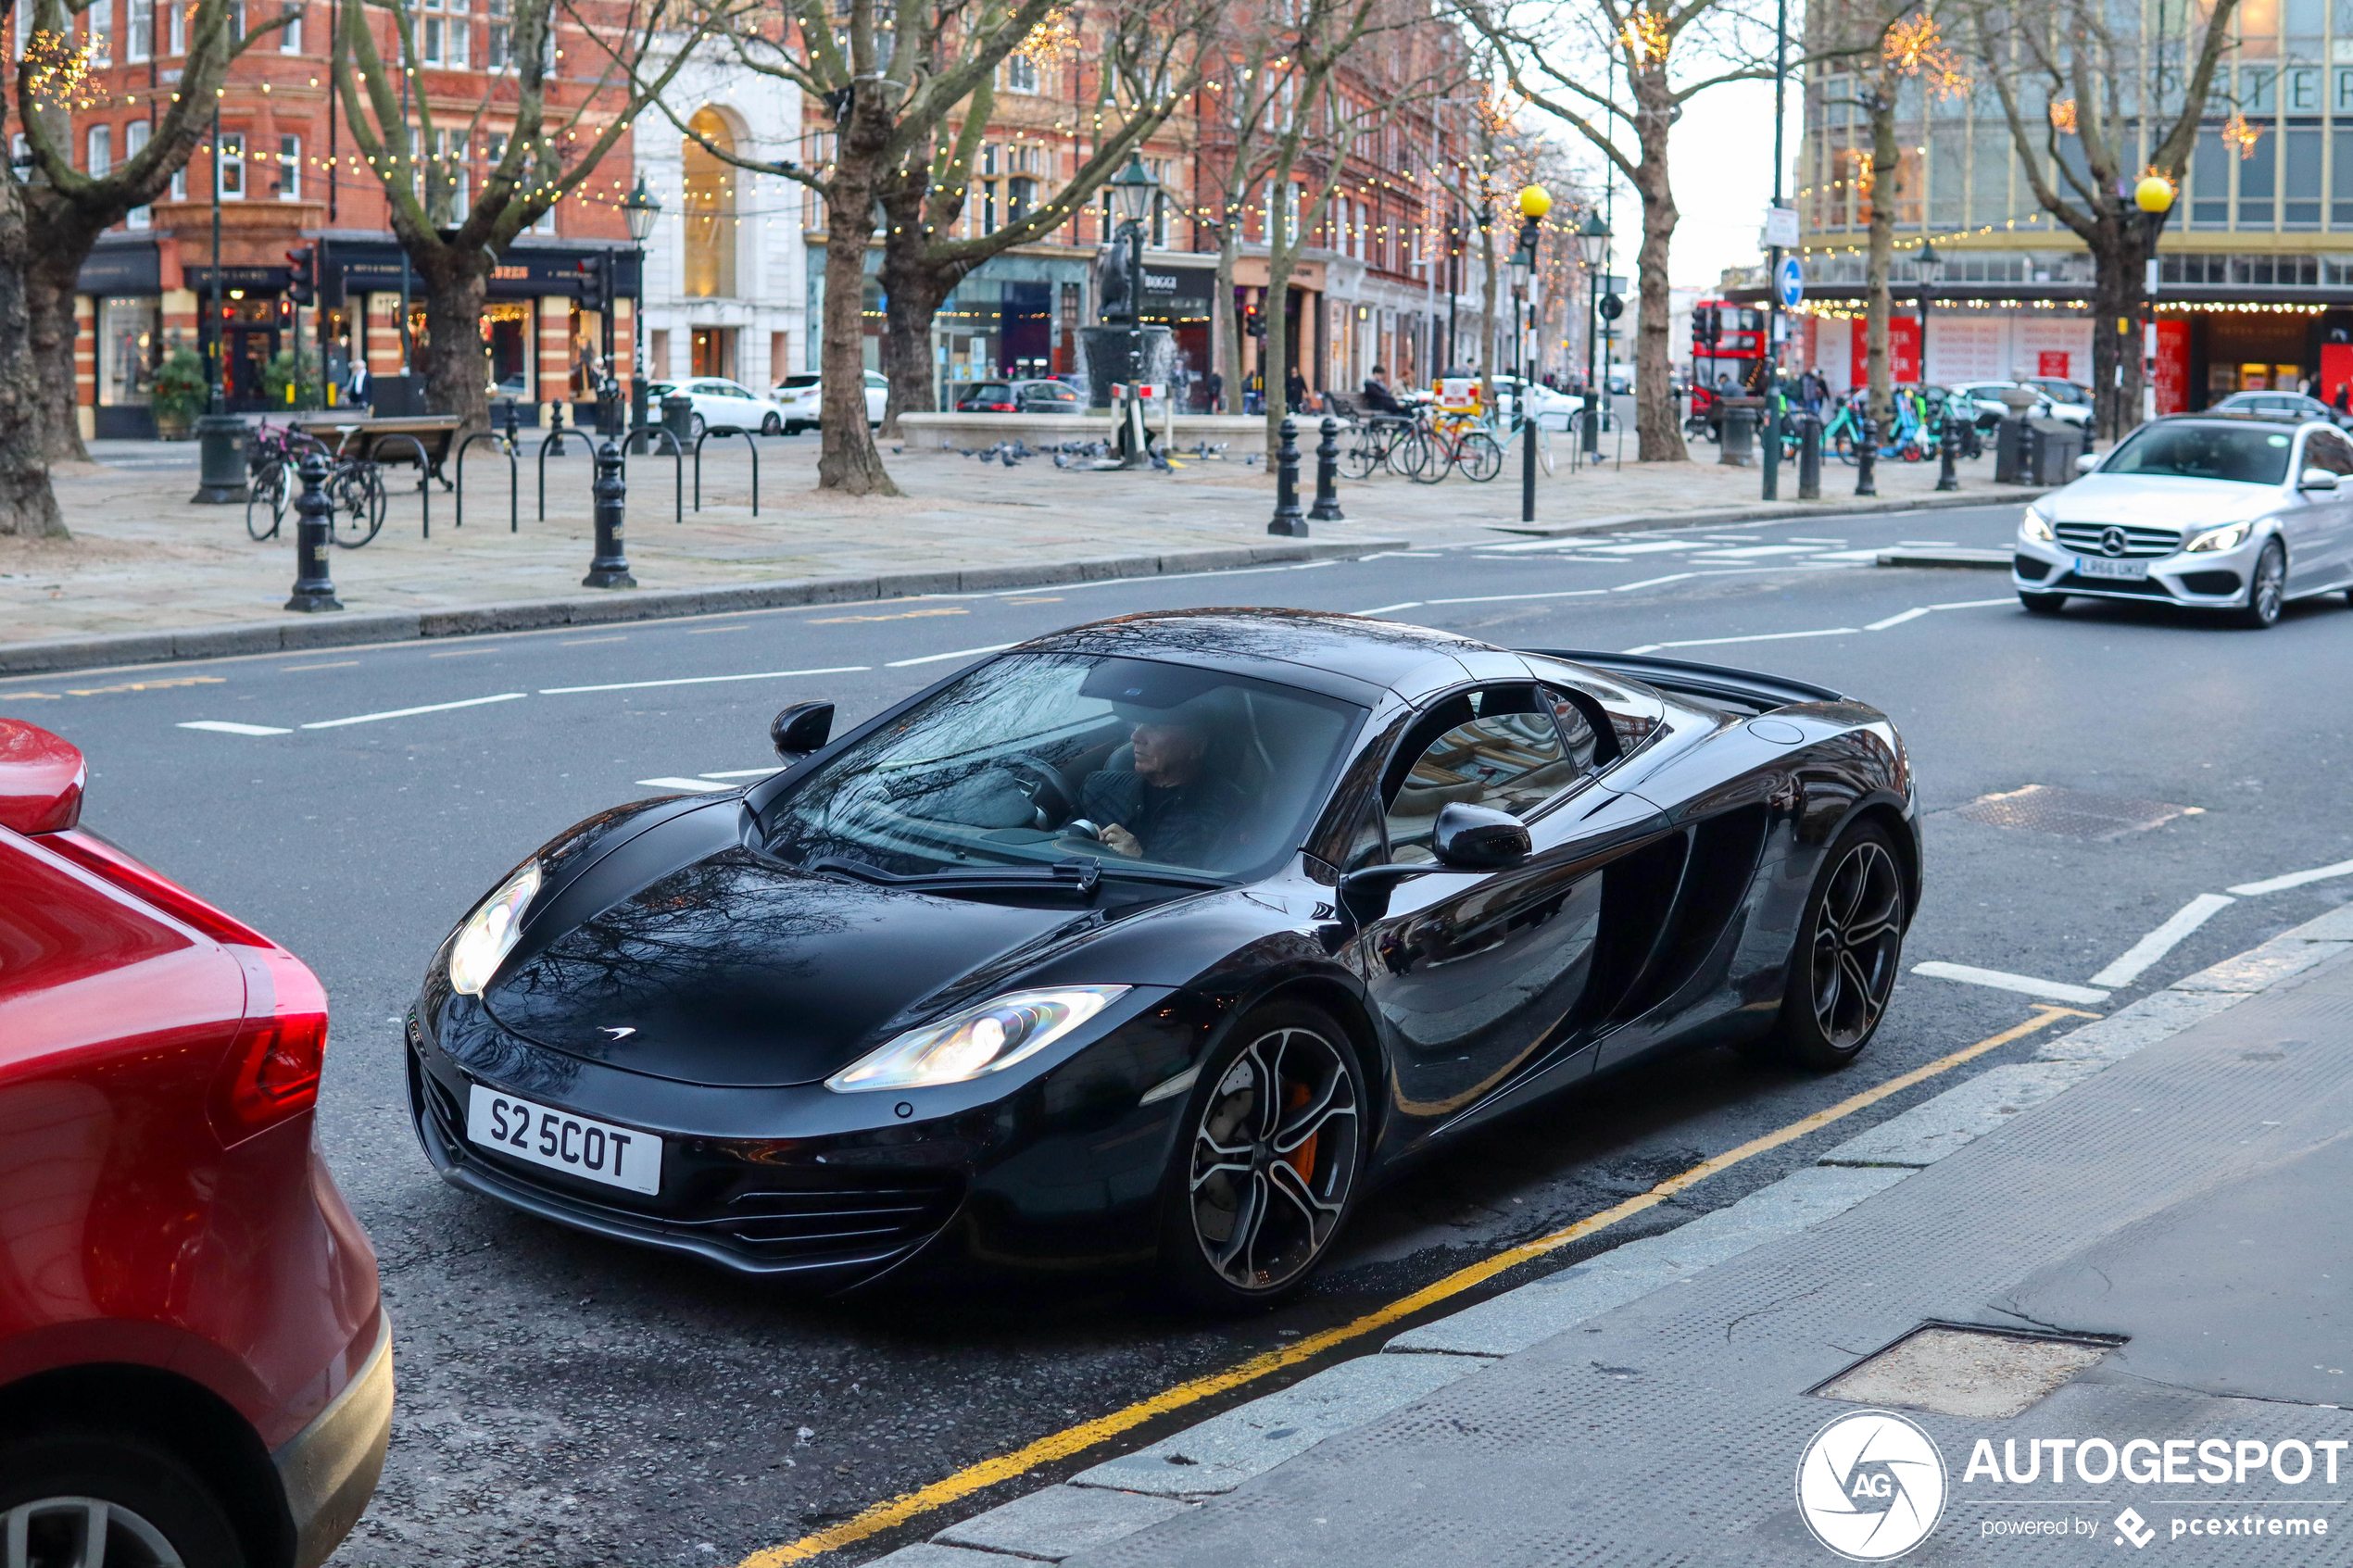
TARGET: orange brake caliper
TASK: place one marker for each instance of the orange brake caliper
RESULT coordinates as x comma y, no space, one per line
1303,1159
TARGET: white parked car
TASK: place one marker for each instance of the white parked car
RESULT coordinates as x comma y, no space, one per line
721,405
2229,511
1987,397
1553,410
802,399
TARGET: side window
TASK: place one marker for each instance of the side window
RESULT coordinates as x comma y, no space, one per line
1584,747
1497,748
2326,449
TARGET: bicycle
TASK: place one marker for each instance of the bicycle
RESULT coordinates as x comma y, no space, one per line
1373,443
271,478
1537,430
1452,441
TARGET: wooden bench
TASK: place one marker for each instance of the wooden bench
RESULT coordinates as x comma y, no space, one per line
374,439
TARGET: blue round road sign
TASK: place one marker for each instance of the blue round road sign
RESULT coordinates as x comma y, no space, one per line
1790,286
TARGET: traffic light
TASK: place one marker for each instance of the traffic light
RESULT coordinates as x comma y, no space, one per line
1254,320
592,285
301,280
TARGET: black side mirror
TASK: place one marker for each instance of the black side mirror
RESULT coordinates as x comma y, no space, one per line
802,729
1479,838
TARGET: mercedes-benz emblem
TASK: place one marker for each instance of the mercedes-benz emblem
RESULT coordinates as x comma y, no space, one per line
2112,542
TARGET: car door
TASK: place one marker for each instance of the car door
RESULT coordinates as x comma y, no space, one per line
2331,562
1477,975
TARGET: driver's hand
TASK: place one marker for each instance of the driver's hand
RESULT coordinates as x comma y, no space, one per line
1120,841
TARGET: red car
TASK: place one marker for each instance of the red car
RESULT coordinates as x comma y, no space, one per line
195,1368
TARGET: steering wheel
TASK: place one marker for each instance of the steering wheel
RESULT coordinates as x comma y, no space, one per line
1039,780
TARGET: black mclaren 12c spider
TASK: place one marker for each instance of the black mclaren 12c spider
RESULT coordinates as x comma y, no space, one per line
1158,941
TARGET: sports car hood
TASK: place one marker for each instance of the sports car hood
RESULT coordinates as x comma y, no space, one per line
736,970
2190,505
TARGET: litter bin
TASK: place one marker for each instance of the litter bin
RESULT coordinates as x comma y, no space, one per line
1742,416
677,417
2011,440
2052,447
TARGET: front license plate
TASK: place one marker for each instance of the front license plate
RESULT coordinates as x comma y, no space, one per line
2093,566
596,1151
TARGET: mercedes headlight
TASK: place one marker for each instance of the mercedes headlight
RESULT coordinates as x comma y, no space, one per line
2226,538
985,1039
2035,525
490,932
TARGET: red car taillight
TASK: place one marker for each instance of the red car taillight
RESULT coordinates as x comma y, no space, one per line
272,1071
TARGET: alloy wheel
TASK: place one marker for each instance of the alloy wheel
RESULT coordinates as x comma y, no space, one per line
1858,935
1274,1159
80,1533
2268,593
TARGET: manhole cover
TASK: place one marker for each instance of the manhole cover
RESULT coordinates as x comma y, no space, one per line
2074,813
1982,1373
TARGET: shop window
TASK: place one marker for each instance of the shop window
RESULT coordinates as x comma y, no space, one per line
101,151
141,30
2300,179
134,141
229,166
101,15
709,202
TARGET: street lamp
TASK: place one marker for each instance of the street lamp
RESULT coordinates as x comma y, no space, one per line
638,210
2154,195
1927,267
1534,202
1592,247
1132,190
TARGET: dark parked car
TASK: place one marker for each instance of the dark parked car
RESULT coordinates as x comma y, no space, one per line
1158,940
195,1370
1021,397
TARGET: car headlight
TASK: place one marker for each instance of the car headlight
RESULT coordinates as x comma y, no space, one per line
987,1038
2035,525
2229,537
490,932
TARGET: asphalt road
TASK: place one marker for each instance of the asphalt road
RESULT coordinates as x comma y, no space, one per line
568,1401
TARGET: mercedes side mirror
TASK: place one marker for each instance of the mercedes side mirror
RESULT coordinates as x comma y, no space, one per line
1478,838
802,729
2316,479
2087,462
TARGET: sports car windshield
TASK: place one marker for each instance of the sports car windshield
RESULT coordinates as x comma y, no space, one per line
1144,767
2244,454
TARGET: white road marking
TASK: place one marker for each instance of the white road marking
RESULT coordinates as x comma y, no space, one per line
2292,879
682,783
2025,984
1409,604
701,680
1753,550
1872,554
1759,637
1498,598
1654,581
745,773
2163,940
1924,544
1648,546
959,653
410,713
1975,603
1898,619
1799,539
224,727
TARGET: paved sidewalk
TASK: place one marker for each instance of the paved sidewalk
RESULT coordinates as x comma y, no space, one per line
2155,1203
147,560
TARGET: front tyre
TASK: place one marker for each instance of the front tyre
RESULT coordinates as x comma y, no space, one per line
1267,1161
2267,589
64,1493
772,425
2042,604
1481,458
1850,943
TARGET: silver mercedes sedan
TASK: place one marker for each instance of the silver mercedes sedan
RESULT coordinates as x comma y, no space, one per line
2237,512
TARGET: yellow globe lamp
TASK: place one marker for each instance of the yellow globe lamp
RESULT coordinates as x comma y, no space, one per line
2154,194
1534,202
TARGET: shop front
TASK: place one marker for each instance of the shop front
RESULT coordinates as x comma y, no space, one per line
122,285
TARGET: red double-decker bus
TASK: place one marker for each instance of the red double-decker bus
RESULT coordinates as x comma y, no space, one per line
1727,339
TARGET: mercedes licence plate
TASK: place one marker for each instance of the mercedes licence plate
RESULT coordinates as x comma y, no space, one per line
596,1151
2094,565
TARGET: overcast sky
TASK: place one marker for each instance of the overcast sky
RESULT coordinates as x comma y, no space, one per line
1722,155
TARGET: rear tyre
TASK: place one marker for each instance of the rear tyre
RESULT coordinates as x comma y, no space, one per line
2042,604
62,1488
1482,458
772,425
1850,943
2267,589
1267,1160
1360,457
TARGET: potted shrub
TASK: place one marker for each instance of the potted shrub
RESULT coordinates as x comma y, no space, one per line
179,393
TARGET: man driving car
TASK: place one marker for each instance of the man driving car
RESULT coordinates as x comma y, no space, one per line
1169,806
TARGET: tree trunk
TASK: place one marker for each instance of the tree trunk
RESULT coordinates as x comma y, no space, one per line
2120,268
1658,430
1273,349
913,290
50,283
847,460
458,377
28,507
1885,160
1222,308
1487,315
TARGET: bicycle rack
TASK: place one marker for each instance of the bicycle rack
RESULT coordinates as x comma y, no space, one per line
424,472
513,483
677,465
555,439
748,441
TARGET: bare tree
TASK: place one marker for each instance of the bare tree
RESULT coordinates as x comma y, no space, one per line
541,153
51,214
1142,64
1619,73
2093,104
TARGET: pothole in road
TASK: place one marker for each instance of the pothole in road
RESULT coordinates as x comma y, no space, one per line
2070,813
1989,1373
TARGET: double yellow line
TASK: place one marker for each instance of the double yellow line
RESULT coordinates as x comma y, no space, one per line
1077,1440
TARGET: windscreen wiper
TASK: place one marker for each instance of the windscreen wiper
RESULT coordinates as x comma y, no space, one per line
1076,877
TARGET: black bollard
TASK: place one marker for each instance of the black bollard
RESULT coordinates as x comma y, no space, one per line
1287,517
314,527
1947,438
1809,457
1326,506
556,428
1772,446
1866,454
610,568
